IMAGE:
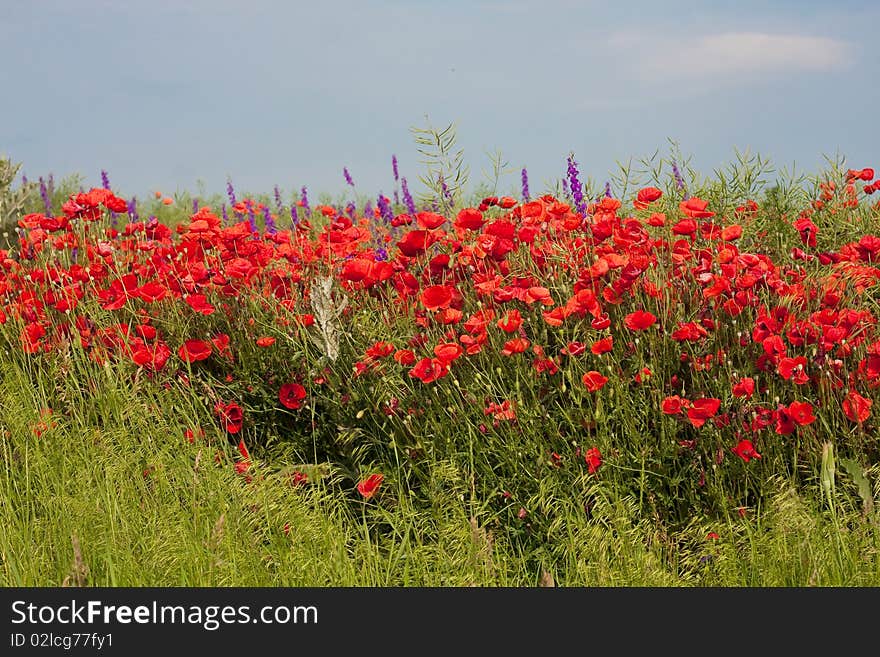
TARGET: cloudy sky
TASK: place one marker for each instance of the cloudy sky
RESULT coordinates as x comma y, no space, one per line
165,93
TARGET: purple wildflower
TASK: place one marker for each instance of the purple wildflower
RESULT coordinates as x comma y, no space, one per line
278,202
525,184
305,202
350,210
446,193
132,209
252,216
74,253
105,179
44,194
347,175
394,167
368,209
407,198
224,213
577,192
294,217
381,255
195,205
607,189
269,221
24,180
396,197
230,192
51,185
384,209
679,180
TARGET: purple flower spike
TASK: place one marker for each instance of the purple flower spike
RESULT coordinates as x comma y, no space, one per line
294,217
230,192
269,221
525,184
305,202
384,209
224,213
607,189
577,192
44,194
679,180
394,167
350,210
278,202
105,179
407,198
347,175
132,209
195,205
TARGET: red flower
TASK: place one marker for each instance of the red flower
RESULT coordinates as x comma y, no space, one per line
695,208
594,381
291,395
645,196
639,320
230,416
673,405
801,412
193,350
745,387
242,466
703,409
511,321
368,487
515,346
856,407
602,346
265,341
448,352
404,357
574,348
429,369
746,450
593,457
436,297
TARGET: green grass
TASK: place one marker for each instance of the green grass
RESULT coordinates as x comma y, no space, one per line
193,522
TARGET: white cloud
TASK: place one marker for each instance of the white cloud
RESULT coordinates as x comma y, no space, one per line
734,54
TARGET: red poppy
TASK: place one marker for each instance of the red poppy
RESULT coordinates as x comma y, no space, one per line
199,303
265,341
515,346
745,387
470,219
511,321
746,450
194,350
291,395
856,407
673,405
404,356
695,208
703,409
594,380
593,458
430,220
639,320
368,487
603,346
242,466
230,416
436,297
574,349
429,369
448,352
801,412
645,196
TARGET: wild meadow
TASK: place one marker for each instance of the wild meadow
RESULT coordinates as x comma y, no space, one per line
665,380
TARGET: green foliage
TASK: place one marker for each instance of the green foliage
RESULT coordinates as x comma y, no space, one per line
446,175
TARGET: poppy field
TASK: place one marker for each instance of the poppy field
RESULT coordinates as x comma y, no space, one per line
668,382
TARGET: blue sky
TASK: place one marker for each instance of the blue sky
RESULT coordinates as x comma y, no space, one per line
165,93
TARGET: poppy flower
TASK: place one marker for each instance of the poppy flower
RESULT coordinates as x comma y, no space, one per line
746,450
404,357
430,220
199,303
594,380
265,341
602,346
368,487
436,297
470,219
593,458
639,320
856,407
511,321
673,405
230,416
244,465
646,196
695,208
291,395
745,387
703,409
515,346
448,352
428,370
194,350
801,412
574,349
